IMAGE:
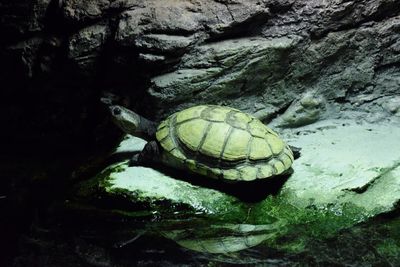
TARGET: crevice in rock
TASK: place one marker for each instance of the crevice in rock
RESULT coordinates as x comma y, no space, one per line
281,110
111,12
247,28
280,7
172,32
383,172
229,11
393,11
383,67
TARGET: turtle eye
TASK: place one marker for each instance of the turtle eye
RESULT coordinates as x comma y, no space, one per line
116,111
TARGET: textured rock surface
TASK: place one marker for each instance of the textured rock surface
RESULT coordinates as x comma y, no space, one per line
348,173
307,109
149,187
291,62
21,17
346,162
255,55
342,163
236,71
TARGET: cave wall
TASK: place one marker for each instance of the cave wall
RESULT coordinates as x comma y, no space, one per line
265,57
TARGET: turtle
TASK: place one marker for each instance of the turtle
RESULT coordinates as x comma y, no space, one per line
209,140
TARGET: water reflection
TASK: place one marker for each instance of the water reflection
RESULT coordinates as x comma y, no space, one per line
67,241
224,238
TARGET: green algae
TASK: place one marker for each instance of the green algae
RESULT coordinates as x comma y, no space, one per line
87,189
300,225
293,229
389,244
205,216
389,248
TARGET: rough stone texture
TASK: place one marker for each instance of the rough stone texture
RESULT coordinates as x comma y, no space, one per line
148,187
348,173
342,163
258,56
262,56
230,71
22,17
306,110
346,162
391,104
85,47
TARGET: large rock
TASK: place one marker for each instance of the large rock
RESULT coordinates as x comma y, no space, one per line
348,173
346,162
20,18
85,47
347,66
342,163
224,71
161,54
291,62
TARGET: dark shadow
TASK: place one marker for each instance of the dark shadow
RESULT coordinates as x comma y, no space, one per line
252,191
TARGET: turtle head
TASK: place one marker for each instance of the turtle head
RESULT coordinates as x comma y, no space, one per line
127,120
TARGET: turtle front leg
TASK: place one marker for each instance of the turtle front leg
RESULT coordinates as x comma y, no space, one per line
148,155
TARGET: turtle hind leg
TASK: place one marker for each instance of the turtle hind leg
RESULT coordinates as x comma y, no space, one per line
296,151
148,155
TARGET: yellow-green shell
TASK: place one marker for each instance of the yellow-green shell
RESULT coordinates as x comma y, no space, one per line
222,142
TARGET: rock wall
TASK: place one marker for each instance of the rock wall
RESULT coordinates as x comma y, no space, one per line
304,59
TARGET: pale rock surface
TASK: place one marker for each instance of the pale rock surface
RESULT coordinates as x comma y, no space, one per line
342,162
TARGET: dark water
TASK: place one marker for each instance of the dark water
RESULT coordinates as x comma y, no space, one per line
37,230
65,240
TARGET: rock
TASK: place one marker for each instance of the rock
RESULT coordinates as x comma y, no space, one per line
186,18
326,175
348,173
260,56
130,144
22,59
170,29
224,70
163,43
85,47
308,109
28,60
387,33
347,51
340,66
83,11
150,188
346,162
392,105
22,17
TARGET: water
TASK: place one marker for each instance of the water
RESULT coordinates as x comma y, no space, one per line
66,240
43,230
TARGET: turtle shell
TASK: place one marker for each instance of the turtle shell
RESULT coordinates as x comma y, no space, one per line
222,142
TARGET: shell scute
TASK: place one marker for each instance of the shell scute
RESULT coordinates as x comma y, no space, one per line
190,113
191,133
214,141
259,149
236,146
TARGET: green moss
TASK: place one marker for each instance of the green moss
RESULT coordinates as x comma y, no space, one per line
88,189
389,248
389,245
294,227
300,225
